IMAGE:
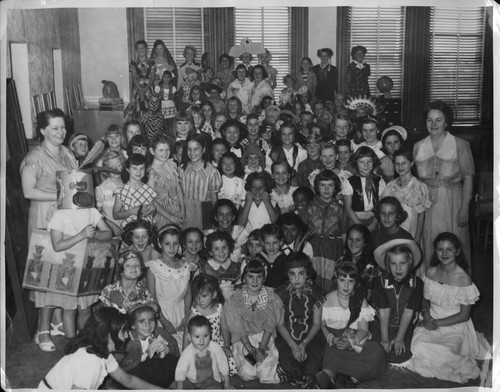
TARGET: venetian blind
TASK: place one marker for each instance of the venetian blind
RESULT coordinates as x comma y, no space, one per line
271,26
456,60
177,27
382,32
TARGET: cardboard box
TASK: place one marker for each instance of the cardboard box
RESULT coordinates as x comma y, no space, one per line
84,269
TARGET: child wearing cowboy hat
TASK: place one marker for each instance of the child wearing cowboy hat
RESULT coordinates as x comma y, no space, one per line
397,296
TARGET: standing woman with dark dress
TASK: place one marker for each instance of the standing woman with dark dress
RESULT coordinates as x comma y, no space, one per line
327,76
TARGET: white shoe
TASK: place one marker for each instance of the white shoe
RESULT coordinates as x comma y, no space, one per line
44,346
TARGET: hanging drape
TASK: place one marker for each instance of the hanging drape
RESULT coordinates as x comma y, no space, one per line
218,32
299,27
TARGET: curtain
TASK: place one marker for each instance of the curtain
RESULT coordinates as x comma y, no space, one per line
218,32
299,36
135,32
343,55
416,69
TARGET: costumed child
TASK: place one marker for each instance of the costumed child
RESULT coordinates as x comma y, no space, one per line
300,342
104,192
445,344
129,290
411,193
79,144
130,129
138,236
259,209
167,94
233,131
151,353
252,316
272,240
224,216
357,73
203,364
350,356
183,96
359,250
200,182
68,226
233,185
295,233
363,190
282,191
135,195
189,54
321,116
164,179
306,77
195,97
326,219
89,356
167,278
397,297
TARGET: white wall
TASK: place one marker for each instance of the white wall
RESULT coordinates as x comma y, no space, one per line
104,52
322,31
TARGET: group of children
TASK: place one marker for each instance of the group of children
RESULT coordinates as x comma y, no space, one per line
267,246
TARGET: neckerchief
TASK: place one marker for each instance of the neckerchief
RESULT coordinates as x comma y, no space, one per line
261,302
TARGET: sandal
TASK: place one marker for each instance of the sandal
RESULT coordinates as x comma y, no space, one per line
44,346
55,329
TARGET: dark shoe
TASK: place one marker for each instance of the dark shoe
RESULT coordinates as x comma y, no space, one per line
344,382
324,381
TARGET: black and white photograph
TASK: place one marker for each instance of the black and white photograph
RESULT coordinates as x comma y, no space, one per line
248,195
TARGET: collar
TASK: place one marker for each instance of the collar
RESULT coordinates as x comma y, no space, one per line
261,302
216,266
359,65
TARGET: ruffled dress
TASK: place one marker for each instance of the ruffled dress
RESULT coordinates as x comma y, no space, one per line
171,285
253,319
448,353
414,199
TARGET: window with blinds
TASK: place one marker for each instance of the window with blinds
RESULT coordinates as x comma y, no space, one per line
382,32
271,26
177,27
456,60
